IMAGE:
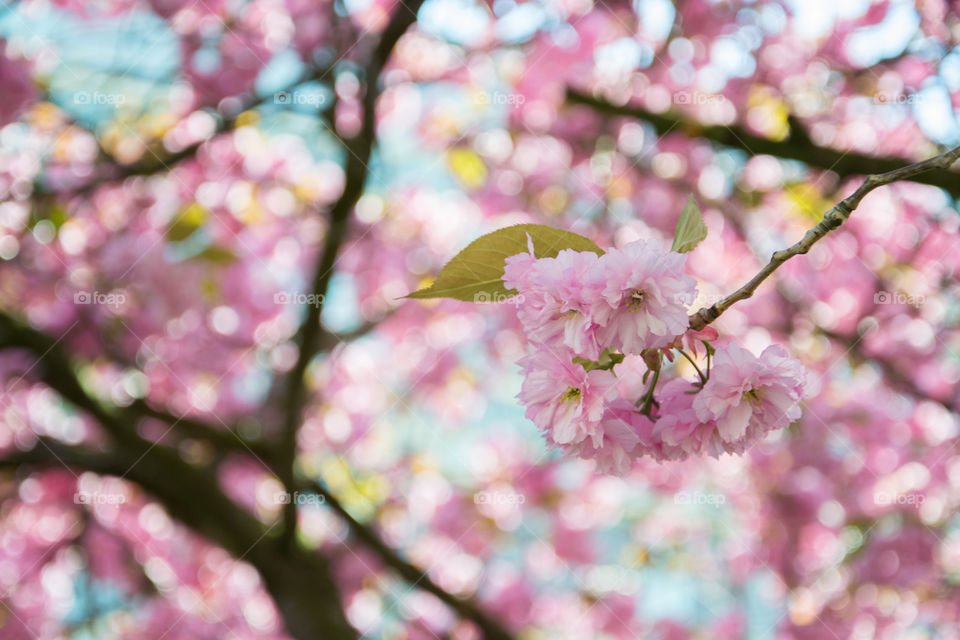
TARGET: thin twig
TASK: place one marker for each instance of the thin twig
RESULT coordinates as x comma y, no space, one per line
831,220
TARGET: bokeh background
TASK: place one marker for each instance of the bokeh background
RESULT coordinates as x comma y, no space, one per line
172,175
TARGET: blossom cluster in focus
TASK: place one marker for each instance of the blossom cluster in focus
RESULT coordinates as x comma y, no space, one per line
601,330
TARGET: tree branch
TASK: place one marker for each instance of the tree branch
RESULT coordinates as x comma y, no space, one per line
359,150
49,452
129,460
299,581
154,468
892,374
113,171
189,427
329,339
795,147
492,630
831,220
54,369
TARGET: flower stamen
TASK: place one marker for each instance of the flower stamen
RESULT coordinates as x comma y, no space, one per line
753,397
636,301
571,395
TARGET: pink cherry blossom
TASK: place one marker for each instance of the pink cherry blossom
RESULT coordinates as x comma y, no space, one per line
748,396
625,434
563,399
560,296
647,293
630,377
678,432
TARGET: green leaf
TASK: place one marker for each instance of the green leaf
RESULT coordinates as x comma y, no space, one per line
217,255
468,167
475,274
189,220
608,359
55,214
690,228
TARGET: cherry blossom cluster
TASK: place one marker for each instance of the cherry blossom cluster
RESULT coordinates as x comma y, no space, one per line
600,331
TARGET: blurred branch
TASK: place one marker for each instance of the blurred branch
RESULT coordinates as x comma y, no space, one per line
128,449
49,452
892,375
358,151
192,495
329,339
302,586
492,630
55,370
831,220
797,146
110,170
196,428
300,582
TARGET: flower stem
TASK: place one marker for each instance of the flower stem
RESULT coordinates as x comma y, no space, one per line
647,400
703,378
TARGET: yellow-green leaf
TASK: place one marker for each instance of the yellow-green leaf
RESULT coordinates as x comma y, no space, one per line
189,220
217,255
475,274
468,167
690,228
